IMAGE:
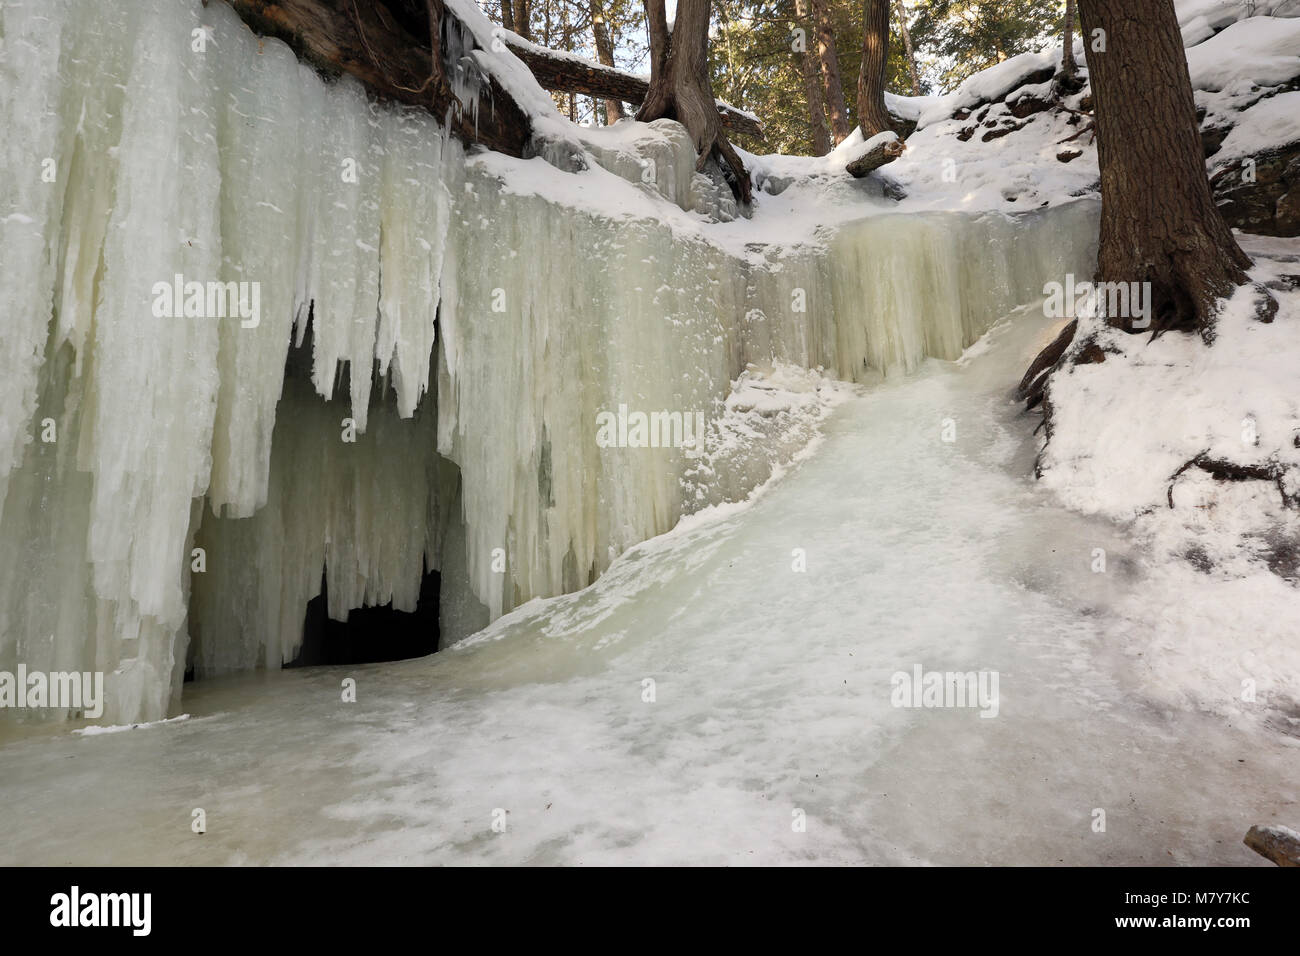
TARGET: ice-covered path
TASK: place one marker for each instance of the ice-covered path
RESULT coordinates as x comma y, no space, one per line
771,697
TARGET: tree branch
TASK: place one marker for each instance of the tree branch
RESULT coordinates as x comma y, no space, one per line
569,73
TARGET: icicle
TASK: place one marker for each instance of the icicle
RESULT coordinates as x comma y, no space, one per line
238,168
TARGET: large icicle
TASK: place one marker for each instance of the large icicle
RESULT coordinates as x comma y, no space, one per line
535,306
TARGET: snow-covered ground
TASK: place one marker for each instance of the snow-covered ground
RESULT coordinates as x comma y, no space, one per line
1125,434
980,147
770,701
1146,655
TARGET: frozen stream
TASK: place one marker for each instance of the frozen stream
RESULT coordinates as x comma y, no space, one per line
772,693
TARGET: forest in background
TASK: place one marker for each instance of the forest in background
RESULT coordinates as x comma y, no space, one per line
794,63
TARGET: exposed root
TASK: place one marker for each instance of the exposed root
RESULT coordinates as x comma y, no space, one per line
1223,470
1265,305
1090,128
1032,384
733,168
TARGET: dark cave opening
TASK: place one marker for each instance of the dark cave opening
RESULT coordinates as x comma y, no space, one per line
370,635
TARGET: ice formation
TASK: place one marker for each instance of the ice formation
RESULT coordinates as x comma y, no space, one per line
468,317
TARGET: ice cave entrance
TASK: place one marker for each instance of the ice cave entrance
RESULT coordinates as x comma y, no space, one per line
339,566
370,635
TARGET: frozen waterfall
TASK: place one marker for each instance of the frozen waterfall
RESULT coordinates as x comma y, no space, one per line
169,496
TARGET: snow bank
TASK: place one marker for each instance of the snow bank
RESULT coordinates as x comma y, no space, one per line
1263,126
1124,438
990,85
1264,51
996,159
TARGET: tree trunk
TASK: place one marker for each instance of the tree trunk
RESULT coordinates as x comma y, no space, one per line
832,86
1068,66
680,88
874,158
507,15
524,19
1159,223
812,85
562,73
366,42
873,118
605,53
907,45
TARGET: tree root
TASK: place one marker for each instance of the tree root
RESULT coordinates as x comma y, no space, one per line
733,167
1089,128
1035,379
1223,470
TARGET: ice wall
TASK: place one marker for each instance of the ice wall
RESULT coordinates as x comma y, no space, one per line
470,329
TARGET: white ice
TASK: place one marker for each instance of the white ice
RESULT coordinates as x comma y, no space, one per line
556,296
771,695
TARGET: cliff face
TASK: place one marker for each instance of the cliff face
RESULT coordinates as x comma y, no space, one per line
171,504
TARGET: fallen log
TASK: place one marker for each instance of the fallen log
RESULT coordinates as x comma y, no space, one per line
884,152
1279,844
569,73
385,45
387,48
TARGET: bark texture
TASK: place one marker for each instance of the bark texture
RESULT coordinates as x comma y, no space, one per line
876,157
605,53
873,118
907,45
837,110
387,49
1159,223
812,84
680,88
